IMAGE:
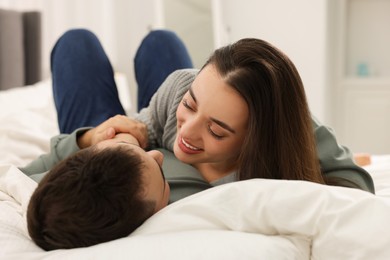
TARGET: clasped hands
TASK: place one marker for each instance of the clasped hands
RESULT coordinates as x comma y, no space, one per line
129,129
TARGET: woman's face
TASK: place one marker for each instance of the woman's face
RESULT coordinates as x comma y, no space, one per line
212,122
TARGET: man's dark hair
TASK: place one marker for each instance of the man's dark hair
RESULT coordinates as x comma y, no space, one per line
91,197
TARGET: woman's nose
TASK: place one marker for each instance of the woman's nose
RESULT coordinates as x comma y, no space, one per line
191,127
157,155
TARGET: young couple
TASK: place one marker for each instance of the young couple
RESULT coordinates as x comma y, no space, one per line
243,115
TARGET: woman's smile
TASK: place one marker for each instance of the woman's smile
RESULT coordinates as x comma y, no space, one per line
186,147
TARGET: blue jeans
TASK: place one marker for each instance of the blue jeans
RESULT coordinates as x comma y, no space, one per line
84,89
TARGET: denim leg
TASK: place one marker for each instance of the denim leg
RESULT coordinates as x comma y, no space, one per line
160,53
84,89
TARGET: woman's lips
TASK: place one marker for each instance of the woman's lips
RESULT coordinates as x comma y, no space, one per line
187,148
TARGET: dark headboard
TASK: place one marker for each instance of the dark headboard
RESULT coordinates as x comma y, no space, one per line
20,48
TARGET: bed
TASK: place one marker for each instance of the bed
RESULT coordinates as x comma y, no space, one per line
256,219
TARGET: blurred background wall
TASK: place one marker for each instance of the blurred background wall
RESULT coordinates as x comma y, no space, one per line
338,46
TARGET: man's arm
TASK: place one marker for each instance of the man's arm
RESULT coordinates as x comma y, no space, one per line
61,146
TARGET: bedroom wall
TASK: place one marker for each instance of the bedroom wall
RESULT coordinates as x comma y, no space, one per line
294,26
192,20
299,28
120,25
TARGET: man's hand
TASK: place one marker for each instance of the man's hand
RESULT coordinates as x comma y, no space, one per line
113,126
128,138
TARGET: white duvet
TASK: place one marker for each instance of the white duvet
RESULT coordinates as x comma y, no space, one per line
256,219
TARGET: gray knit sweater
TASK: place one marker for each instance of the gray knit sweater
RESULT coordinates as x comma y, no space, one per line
160,115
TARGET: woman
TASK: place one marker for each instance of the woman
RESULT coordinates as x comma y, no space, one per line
243,116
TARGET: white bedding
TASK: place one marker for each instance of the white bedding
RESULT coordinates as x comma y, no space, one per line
257,219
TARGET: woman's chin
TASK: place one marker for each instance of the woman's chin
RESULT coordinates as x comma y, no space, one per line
180,155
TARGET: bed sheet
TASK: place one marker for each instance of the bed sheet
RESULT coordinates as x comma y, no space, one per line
257,219
28,119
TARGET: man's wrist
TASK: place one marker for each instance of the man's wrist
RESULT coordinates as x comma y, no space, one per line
84,139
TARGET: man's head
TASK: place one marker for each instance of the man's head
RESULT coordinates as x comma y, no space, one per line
99,194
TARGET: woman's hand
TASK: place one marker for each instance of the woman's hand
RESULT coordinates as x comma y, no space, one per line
362,159
113,126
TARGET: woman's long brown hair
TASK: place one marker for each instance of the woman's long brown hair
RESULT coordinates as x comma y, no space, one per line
280,143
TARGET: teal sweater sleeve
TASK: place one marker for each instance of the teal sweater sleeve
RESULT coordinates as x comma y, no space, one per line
337,161
61,146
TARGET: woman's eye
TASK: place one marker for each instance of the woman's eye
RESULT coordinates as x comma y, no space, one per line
186,105
216,136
